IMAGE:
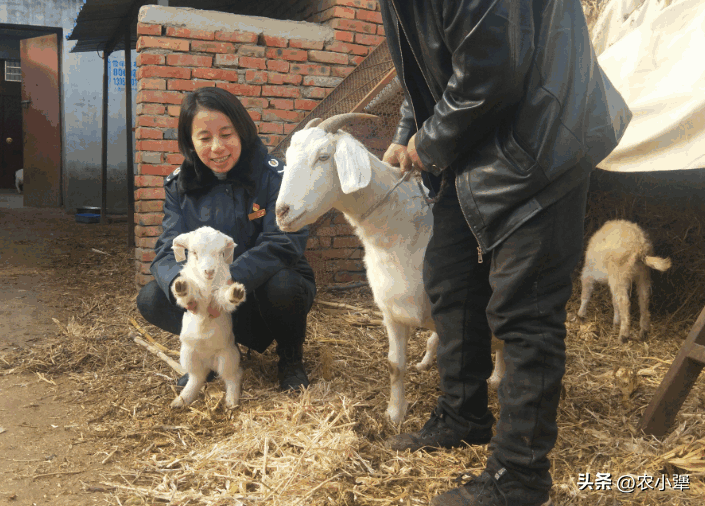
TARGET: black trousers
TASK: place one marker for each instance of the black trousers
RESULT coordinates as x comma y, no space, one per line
519,293
276,311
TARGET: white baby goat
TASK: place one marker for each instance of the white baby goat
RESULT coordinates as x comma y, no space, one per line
330,169
19,180
619,253
207,342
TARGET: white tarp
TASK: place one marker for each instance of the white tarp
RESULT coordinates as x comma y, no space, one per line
654,54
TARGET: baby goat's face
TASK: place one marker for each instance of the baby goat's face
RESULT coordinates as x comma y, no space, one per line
210,254
310,186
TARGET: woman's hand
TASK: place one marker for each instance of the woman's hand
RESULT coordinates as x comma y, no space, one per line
213,312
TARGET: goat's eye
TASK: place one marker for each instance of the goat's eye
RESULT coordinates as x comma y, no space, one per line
195,255
323,157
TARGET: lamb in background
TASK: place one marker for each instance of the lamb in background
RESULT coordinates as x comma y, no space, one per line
617,254
330,169
207,341
19,180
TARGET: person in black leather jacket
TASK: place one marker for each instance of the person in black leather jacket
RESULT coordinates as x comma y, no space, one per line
229,182
506,113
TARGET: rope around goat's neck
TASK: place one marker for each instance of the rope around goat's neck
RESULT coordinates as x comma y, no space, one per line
381,201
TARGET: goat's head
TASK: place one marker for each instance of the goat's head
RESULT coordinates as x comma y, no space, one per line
322,165
210,253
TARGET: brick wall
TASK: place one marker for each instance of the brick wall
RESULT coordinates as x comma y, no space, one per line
279,80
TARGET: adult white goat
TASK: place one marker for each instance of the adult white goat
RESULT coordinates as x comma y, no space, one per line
207,341
327,168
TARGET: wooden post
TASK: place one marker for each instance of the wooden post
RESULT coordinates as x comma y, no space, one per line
104,145
128,131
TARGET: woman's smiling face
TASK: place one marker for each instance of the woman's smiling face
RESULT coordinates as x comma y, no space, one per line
215,140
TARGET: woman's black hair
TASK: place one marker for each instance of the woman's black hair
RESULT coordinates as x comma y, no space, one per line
213,99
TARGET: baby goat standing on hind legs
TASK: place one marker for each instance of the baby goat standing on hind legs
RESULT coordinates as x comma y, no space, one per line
619,253
330,169
204,287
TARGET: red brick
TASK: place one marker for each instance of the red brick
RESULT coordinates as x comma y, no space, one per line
151,84
148,133
149,206
149,194
144,254
153,145
278,65
149,181
252,51
175,158
282,103
337,253
270,128
289,127
160,97
250,102
316,92
156,170
248,90
341,71
149,220
306,44
271,139
344,36
157,121
277,115
187,33
191,85
287,54
371,16
159,71
306,105
255,77
276,78
147,29
255,115
333,12
339,219
146,42
220,74
269,40
310,69
380,30
362,4
151,231
344,47
212,47
142,268
326,57
226,60
346,242
150,59
174,110
150,109
336,230
146,242
253,63
368,40
281,91
142,279
189,60
237,36
352,26
356,60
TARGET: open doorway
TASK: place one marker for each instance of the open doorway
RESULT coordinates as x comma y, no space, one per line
30,112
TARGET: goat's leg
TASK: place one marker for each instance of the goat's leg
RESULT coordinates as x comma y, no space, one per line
232,372
619,285
499,365
197,373
183,291
398,338
229,297
430,356
643,284
588,283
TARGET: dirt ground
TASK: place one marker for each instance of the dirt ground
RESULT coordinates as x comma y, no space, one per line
44,458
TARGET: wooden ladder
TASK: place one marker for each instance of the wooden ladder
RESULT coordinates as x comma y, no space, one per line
676,385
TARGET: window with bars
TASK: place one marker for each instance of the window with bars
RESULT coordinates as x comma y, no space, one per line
13,71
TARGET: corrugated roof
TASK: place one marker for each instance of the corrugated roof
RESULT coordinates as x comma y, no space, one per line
101,23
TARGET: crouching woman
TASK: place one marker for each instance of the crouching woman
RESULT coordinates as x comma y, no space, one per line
229,182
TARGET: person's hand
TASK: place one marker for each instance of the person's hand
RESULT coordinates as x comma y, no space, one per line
416,162
397,156
213,312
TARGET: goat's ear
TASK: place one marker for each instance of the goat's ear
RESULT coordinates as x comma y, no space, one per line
228,252
180,245
353,163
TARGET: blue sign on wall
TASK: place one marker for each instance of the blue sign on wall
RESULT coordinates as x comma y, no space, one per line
116,69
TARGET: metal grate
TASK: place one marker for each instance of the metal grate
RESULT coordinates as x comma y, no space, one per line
359,92
13,71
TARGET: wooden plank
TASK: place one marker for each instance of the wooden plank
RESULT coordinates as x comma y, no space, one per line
373,93
676,385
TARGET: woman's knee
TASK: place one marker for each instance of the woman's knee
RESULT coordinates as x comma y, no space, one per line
287,290
147,297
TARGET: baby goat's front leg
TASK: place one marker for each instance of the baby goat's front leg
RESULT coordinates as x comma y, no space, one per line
183,291
229,297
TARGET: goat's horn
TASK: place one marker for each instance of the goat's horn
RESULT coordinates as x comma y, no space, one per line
312,123
332,124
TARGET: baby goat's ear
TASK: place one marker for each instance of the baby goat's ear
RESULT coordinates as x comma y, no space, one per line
353,163
228,251
180,245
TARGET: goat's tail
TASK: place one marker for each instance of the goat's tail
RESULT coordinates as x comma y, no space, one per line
658,263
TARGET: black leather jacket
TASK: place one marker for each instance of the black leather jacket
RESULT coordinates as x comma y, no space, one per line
520,111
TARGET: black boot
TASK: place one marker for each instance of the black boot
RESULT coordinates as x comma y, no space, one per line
291,373
181,382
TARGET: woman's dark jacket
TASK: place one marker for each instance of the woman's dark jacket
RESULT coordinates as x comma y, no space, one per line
196,198
514,103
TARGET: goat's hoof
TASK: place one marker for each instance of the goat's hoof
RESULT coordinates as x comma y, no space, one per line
180,288
422,366
643,335
493,383
178,402
236,293
623,338
232,404
396,416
